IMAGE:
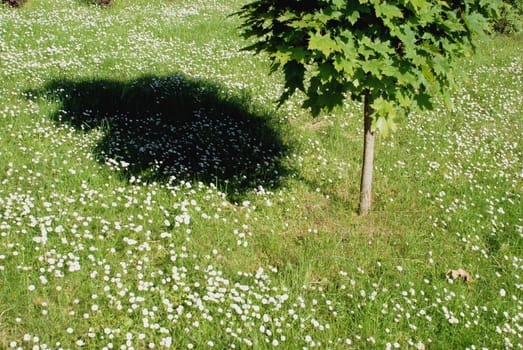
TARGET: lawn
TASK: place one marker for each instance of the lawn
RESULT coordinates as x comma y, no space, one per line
152,195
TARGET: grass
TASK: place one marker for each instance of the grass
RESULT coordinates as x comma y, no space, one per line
152,196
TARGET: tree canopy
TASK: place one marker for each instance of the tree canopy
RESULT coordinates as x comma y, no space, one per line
398,53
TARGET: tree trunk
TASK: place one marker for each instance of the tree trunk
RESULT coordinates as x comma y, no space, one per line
368,158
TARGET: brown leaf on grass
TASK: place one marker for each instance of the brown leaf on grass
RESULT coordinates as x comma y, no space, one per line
460,274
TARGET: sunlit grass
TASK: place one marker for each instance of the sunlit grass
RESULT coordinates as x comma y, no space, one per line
151,195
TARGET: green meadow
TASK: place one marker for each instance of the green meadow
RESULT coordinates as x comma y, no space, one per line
152,195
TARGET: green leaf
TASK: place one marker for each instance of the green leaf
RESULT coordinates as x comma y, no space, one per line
447,100
287,16
339,4
384,115
322,43
326,72
441,66
427,73
423,100
409,44
444,3
363,48
452,23
381,47
353,17
390,70
385,126
302,23
282,57
372,67
403,100
294,77
388,11
420,5
343,65
476,23
428,16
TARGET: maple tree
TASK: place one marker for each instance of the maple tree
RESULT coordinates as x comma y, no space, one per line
395,55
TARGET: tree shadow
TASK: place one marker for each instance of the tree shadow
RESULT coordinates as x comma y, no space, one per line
175,128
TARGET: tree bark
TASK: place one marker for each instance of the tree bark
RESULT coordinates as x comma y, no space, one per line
368,158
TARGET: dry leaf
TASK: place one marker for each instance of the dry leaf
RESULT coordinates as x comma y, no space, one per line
460,274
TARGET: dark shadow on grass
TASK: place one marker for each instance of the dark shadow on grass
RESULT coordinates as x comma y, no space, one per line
176,128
